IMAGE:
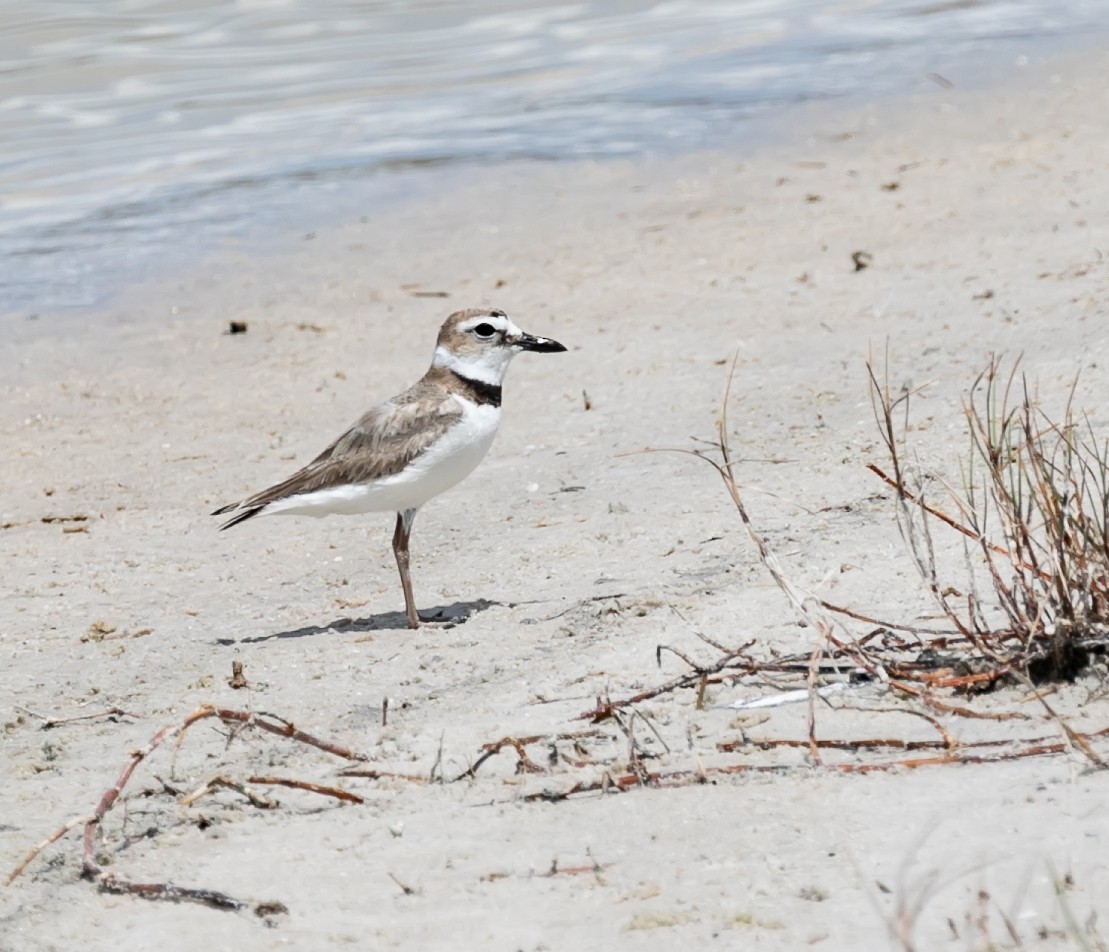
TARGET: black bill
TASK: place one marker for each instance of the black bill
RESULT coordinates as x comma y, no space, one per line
541,345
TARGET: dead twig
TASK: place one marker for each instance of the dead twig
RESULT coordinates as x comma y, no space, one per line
594,867
603,710
216,783
524,764
701,775
51,722
336,792
273,724
39,847
238,680
898,743
1073,737
91,867
810,684
908,496
404,888
109,883
372,773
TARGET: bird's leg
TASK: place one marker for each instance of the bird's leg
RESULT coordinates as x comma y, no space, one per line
400,550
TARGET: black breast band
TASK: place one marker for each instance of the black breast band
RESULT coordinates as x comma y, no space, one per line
478,391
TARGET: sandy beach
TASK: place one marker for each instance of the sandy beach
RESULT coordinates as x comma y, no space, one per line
982,218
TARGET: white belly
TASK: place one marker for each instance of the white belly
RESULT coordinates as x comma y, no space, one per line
441,466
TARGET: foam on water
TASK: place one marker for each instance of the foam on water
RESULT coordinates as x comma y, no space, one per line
138,131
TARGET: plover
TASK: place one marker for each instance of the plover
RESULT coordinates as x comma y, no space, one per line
415,446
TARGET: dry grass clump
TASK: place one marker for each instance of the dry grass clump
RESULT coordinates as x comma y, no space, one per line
1021,575
1033,513
1019,569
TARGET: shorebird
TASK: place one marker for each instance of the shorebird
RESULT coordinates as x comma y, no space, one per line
415,446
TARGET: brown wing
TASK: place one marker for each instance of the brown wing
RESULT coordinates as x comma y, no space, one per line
381,443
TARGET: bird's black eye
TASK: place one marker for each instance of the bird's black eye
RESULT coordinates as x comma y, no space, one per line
485,331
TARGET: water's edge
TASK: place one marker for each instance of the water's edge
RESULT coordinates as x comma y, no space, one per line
139,146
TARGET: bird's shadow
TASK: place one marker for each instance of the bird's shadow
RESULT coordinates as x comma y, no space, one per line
447,616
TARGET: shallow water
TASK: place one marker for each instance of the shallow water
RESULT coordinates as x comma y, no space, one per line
138,133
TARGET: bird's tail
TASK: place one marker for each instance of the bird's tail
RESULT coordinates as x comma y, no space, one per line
240,516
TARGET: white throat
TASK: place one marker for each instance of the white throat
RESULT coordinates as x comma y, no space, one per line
488,367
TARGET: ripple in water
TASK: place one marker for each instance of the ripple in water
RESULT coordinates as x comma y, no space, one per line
138,132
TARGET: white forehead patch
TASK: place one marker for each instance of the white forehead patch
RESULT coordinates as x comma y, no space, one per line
499,322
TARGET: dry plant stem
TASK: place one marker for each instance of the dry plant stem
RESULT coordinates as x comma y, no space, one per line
238,680
955,752
895,626
557,870
897,743
404,888
517,743
1075,738
283,728
925,697
524,764
603,710
263,803
659,649
916,539
949,742
702,687
865,743
243,719
89,865
635,761
810,679
371,773
38,848
802,602
684,778
808,606
904,492
966,680
336,792
654,730
167,891
435,775
1040,487
49,722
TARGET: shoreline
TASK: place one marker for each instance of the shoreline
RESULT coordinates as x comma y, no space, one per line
984,216
388,195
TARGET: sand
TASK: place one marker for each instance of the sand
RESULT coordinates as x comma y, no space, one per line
568,557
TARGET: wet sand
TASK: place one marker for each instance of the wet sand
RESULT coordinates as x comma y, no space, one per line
567,557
